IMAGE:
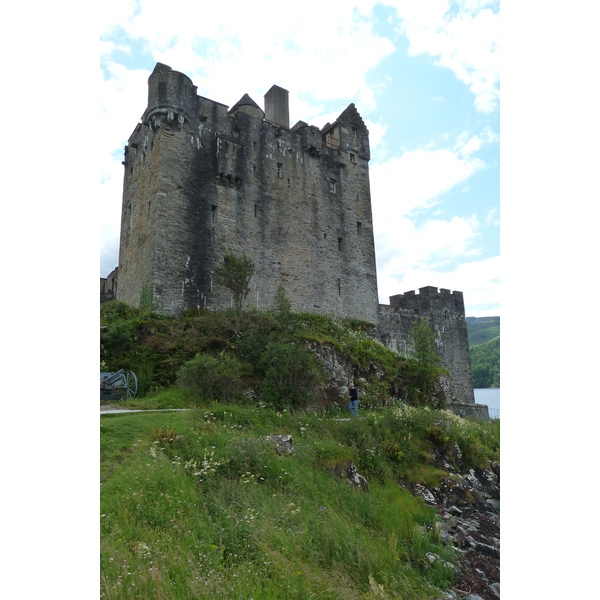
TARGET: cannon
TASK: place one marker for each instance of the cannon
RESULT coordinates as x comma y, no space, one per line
119,385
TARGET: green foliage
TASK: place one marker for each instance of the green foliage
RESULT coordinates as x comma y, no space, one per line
147,298
291,375
198,504
424,365
482,329
485,364
206,377
283,313
235,274
156,347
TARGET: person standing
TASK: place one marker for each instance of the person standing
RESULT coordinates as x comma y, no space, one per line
353,393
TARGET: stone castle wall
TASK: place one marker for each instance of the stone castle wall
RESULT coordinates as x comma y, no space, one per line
445,313
202,180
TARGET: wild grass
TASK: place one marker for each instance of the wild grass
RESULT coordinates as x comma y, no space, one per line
198,504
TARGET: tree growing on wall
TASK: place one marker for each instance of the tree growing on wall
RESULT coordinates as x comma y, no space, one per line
235,274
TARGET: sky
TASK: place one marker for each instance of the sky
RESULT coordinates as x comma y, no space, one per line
426,82
425,77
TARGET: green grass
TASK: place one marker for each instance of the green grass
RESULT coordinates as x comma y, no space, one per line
197,504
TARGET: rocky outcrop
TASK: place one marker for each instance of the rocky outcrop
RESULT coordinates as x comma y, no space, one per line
356,479
338,370
284,444
468,506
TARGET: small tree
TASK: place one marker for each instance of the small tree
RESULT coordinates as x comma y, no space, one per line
235,274
424,364
147,298
283,312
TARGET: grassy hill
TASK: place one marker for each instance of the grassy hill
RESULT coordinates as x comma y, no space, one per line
482,329
484,347
199,504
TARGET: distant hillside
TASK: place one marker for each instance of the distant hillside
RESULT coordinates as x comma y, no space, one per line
485,364
484,347
482,329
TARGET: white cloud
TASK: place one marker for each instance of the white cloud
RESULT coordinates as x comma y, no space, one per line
122,100
479,281
376,133
324,50
318,51
417,179
435,244
462,36
492,218
414,253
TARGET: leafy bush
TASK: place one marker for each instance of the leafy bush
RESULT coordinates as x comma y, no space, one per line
291,375
207,377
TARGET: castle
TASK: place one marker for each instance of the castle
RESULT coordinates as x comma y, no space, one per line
202,180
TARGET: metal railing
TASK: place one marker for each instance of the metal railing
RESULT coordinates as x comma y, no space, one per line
494,413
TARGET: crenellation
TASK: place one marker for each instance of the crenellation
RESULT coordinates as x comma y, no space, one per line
202,180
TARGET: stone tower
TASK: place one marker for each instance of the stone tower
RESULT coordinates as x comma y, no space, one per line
202,180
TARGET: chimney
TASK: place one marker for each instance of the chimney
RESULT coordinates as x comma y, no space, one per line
277,109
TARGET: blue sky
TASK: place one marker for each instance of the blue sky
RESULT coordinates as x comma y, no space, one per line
425,77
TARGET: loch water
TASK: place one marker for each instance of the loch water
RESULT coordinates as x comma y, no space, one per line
489,396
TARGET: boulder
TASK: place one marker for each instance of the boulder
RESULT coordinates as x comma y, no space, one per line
356,479
283,443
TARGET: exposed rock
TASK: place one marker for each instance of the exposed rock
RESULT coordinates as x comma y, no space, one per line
356,479
337,368
425,494
283,443
468,502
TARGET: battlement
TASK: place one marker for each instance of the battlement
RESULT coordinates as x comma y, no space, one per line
427,298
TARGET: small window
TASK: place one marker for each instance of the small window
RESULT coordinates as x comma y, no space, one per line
332,186
352,158
213,214
255,210
339,282
358,228
279,170
340,244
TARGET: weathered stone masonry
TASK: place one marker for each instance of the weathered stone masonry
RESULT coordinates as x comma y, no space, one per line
202,180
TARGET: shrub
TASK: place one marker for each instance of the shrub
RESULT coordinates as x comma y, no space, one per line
235,274
292,374
207,377
423,368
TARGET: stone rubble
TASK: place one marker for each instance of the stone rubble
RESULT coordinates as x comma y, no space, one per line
468,507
